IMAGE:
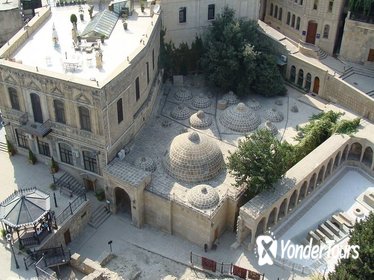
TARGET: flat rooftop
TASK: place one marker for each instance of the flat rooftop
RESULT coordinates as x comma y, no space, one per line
6,5
40,51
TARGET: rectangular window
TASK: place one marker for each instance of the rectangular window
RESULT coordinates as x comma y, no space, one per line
315,5
182,14
147,73
66,154
84,116
211,11
22,139
44,148
137,89
89,160
119,110
331,4
13,96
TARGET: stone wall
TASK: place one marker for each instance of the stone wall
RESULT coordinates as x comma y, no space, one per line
10,22
358,39
338,91
157,211
75,224
197,16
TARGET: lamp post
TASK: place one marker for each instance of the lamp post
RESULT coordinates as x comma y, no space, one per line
110,245
9,239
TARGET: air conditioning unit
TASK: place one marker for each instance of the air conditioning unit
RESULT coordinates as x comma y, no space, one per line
284,58
121,154
76,153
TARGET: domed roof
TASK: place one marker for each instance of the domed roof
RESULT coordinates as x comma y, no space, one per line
231,98
146,163
193,158
201,101
273,115
203,197
183,94
180,112
254,104
269,126
240,118
200,120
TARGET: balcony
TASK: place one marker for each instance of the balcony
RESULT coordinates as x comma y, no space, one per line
36,129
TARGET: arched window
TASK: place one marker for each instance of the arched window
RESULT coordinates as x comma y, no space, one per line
288,18
300,78
301,2
276,11
308,82
66,153
326,31
315,5
293,74
59,111
13,96
36,107
293,21
298,23
280,14
271,9
84,117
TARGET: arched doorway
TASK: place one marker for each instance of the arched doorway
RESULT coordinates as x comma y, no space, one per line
367,159
316,85
311,32
272,217
36,108
282,209
261,227
292,203
123,201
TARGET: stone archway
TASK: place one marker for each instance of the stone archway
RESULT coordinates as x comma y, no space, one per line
123,201
272,217
312,183
303,191
261,227
328,169
282,209
336,161
293,201
355,151
367,159
345,153
320,176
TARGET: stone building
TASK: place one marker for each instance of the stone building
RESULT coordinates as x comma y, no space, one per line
186,19
10,20
58,102
310,21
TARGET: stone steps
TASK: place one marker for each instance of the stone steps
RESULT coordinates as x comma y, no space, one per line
321,54
99,216
70,183
3,147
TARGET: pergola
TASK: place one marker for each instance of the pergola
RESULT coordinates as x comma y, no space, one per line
27,212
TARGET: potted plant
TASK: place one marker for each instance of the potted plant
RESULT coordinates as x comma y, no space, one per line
10,148
90,11
124,22
102,38
32,158
73,20
54,166
3,233
79,39
81,15
142,6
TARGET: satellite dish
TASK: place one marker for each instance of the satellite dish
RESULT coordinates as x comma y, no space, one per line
157,9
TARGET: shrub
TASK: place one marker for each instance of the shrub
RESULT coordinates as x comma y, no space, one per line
100,195
10,148
32,158
54,166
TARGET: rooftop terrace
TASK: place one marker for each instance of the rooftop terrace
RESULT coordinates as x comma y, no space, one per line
40,51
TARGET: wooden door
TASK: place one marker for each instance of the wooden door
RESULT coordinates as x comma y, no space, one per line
90,185
311,33
67,237
371,55
316,85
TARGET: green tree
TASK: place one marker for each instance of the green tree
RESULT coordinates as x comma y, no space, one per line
268,81
260,161
361,268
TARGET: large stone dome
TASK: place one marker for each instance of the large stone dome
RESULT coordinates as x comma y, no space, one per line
203,197
240,118
193,158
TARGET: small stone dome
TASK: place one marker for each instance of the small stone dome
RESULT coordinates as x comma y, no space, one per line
269,126
180,112
201,101
273,115
200,120
146,163
203,197
254,104
193,158
240,118
231,98
183,94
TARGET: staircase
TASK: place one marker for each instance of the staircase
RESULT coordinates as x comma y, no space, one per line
321,54
3,147
99,216
69,183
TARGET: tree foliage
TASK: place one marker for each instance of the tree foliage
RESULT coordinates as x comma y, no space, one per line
260,161
238,58
361,268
